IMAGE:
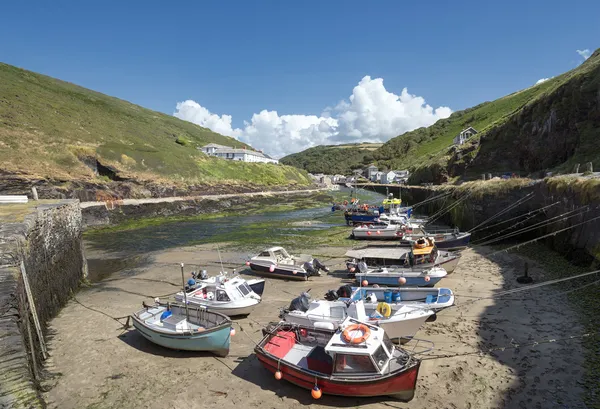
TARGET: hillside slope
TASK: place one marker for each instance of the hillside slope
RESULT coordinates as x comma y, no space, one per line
51,129
549,126
332,159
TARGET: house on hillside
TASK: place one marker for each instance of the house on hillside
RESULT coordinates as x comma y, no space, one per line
464,135
244,155
370,171
401,176
376,177
388,177
212,147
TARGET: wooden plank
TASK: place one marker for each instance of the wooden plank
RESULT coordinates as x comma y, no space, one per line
13,199
36,321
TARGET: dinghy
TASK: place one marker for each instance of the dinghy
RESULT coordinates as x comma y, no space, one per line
277,262
358,360
184,328
256,284
398,320
435,299
451,240
377,231
229,296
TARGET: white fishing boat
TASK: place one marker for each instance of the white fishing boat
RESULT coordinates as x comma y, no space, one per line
398,320
277,262
256,284
229,296
401,277
376,231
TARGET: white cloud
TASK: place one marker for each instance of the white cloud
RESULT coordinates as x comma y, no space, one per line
584,53
541,80
371,114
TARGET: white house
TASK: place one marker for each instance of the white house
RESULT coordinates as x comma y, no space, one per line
245,155
388,177
376,177
212,147
464,135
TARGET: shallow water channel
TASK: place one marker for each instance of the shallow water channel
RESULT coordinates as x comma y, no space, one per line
120,251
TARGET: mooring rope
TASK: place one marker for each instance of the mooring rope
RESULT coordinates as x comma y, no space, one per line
544,236
518,217
500,213
442,212
543,223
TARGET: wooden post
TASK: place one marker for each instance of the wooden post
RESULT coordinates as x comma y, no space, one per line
34,194
31,303
576,169
589,167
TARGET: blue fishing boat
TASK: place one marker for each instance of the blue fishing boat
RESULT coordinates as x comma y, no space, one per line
404,277
184,328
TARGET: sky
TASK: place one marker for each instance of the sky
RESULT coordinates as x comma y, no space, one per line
286,75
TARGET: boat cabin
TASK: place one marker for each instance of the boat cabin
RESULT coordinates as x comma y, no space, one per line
356,349
278,255
223,289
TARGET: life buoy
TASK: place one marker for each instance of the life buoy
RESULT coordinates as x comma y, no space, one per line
421,243
366,333
384,309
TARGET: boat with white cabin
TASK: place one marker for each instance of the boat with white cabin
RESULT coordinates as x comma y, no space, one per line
277,262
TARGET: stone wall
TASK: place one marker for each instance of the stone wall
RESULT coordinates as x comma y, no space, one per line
580,244
48,239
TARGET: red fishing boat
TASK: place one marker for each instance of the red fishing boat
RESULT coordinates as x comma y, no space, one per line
357,359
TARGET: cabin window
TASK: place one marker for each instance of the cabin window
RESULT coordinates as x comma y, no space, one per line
353,364
388,344
380,357
264,254
338,312
222,296
244,289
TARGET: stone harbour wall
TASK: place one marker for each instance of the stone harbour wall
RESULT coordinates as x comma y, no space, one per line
48,239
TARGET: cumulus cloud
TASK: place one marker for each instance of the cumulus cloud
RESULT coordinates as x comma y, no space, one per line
371,114
584,53
541,80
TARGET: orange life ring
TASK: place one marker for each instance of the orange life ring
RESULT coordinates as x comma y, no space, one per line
421,243
356,327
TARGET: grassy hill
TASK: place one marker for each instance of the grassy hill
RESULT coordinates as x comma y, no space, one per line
51,129
333,159
549,126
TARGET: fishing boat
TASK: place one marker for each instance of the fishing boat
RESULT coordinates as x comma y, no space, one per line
398,320
358,360
364,214
229,296
184,328
401,277
377,231
277,262
435,299
412,258
256,284
447,240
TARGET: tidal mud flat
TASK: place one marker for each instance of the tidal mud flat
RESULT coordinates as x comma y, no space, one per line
98,364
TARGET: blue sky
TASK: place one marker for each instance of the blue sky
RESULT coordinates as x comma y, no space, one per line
239,58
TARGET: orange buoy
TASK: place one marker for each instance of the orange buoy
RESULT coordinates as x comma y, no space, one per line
294,272
352,269
365,283
272,268
368,233
316,392
402,281
232,332
278,375
378,232
427,278
248,263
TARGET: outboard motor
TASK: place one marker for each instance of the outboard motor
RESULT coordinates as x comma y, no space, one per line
300,303
362,267
320,266
331,295
310,269
203,275
344,291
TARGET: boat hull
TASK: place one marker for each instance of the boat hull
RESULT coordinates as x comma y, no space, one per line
215,340
363,234
286,272
391,279
440,298
459,243
401,386
243,307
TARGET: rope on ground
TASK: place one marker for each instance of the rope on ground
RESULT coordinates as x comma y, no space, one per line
544,236
512,346
500,213
117,319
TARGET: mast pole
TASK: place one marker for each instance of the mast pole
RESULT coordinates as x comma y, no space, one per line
187,312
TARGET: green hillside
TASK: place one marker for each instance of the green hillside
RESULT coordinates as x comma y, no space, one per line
51,129
549,126
333,159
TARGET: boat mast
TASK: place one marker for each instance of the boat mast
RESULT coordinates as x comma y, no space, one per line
220,260
187,312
